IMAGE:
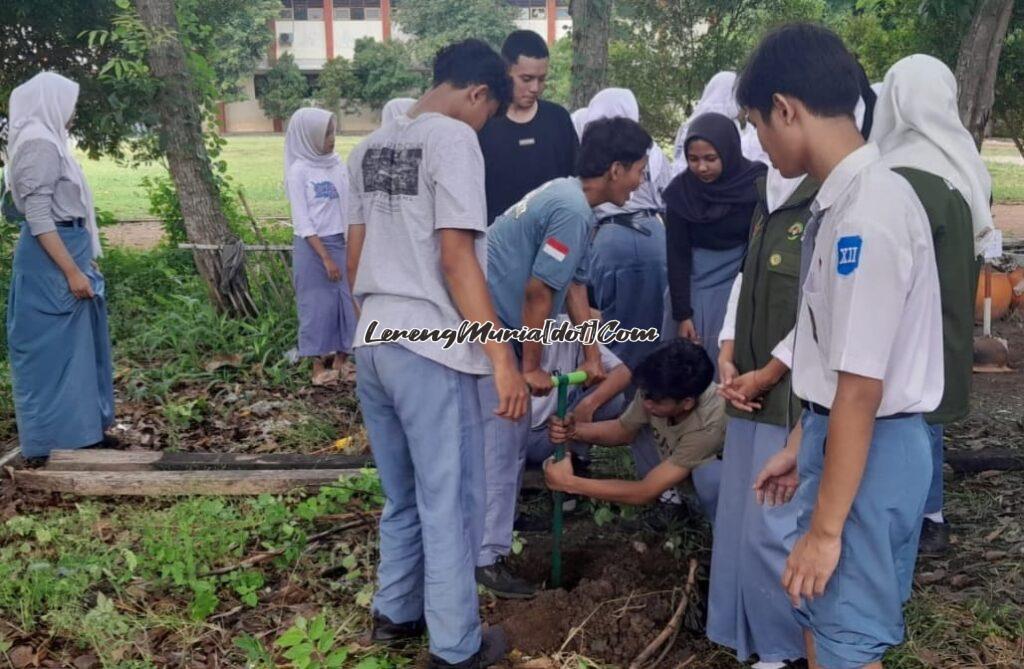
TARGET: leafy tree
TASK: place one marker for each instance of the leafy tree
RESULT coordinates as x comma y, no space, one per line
337,84
284,90
559,72
78,38
383,70
692,39
435,23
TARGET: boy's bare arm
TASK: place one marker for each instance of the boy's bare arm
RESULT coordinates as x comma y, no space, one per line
468,287
850,427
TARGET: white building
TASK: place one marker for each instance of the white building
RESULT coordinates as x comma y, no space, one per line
313,31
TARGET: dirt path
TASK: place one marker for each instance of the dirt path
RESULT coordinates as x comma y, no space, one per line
141,235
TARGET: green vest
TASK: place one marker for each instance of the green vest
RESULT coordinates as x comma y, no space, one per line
953,234
769,295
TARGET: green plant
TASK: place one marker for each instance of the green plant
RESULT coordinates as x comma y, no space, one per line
337,85
310,645
284,90
383,70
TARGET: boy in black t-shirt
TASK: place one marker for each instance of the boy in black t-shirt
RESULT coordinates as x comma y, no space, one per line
534,141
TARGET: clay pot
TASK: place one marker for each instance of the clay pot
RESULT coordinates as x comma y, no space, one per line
1017,284
1002,296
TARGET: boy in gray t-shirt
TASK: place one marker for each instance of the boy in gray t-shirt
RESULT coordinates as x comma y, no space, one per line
415,256
536,266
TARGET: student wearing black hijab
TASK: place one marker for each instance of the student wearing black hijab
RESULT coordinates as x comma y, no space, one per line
709,208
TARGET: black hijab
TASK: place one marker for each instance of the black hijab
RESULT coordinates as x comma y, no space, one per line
732,194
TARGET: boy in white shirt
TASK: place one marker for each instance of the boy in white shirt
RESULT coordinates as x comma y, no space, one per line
867,357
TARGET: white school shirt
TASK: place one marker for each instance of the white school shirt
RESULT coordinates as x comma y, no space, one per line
565,357
870,303
318,199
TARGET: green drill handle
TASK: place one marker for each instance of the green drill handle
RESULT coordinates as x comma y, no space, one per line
562,383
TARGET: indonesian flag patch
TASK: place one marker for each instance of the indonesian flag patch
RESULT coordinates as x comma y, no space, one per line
555,249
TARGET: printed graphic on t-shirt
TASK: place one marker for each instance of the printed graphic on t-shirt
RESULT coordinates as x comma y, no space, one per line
325,190
392,170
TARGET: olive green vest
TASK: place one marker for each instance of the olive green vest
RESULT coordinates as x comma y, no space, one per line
953,235
769,295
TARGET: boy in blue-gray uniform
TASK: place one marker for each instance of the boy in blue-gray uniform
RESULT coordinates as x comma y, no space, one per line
416,255
536,268
867,354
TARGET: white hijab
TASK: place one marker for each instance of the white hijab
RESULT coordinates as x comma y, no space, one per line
579,120
395,108
719,97
41,108
778,189
616,102
917,125
304,140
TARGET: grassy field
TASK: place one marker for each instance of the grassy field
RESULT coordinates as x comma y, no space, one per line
256,165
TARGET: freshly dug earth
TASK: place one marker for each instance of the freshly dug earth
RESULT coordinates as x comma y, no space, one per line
621,590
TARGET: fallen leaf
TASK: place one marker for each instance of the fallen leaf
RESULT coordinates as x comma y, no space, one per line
22,656
215,363
87,661
995,555
960,580
930,577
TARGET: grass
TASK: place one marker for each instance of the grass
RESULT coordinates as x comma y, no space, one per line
256,163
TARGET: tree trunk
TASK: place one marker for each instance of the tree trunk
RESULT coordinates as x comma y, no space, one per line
978,64
181,137
591,31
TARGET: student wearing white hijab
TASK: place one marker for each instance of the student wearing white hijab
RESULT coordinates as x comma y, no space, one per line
316,181
395,108
58,340
719,97
628,250
918,130
579,119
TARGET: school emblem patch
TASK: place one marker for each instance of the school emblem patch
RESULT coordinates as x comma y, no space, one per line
795,231
848,250
775,260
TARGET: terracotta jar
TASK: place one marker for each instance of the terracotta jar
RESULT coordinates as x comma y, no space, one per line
1002,295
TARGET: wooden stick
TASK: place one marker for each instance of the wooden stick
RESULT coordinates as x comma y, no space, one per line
158,483
248,247
97,459
264,556
673,623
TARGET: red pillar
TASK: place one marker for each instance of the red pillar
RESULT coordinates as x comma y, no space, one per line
551,12
272,54
385,18
222,117
329,27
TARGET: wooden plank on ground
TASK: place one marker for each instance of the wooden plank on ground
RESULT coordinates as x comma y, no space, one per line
90,459
152,484
985,459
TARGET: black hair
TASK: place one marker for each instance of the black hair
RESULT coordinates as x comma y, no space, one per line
611,140
870,98
472,62
523,43
676,370
806,61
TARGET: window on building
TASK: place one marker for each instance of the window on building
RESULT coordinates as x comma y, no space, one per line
299,9
315,13
357,10
562,9
286,10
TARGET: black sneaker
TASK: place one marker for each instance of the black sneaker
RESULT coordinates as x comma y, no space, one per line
386,632
503,583
934,538
493,648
